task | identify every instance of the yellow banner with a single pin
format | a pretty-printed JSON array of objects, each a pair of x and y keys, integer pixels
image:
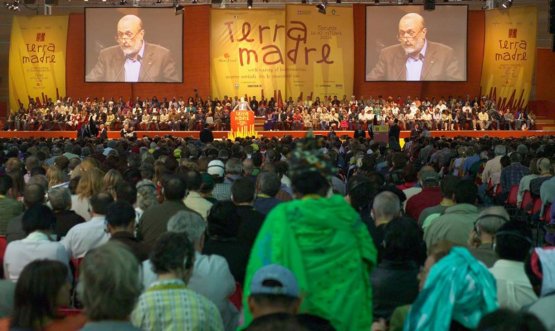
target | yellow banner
[
  {"x": 320, "y": 51},
  {"x": 37, "y": 58},
  {"x": 247, "y": 52},
  {"x": 509, "y": 56}
]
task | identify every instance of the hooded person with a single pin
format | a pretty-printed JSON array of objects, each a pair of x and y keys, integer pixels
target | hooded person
[
  {"x": 540, "y": 269},
  {"x": 457, "y": 293},
  {"x": 330, "y": 252}
]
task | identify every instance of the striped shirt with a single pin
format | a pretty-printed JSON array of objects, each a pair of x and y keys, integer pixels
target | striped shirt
[{"x": 169, "y": 305}]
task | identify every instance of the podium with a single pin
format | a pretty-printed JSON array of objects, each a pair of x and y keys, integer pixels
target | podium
[{"x": 242, "y": 124}]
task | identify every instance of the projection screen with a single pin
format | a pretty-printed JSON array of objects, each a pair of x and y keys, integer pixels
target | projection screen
[
  {"x": 133, "y": 45},
  {"x": 408, "y": 43}
]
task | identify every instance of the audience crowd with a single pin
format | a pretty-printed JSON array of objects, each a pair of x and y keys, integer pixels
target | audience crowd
[
  {"x": 319, "y": 233},
  {"x": 442, "y": 113}
]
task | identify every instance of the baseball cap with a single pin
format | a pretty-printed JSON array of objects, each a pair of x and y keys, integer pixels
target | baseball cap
[
  {"x": 284, "y": 280},
  {"x": 429, "y": 176},
  {"x": 216, "y": 168}
]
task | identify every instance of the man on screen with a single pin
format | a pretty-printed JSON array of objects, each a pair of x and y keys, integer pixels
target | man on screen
[
  {"x": 415, "y": 58},
  {"x": 133, "y": 59}
]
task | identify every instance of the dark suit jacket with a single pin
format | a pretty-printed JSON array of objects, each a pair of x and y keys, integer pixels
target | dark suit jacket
[
  {"x": 157, "y": 65},
  {"x": 440, "y": 63}
]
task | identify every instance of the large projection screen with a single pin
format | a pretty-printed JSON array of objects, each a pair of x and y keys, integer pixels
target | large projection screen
[
  {"x": 408, "y": 43},
  {"x": 133, "y": 45}
]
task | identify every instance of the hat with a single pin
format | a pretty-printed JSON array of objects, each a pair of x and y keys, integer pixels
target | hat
[
  {"x": 216, "y": 167},
  {"x": 283, "y": 277},
  {"x": 429, "y": 176},
  {"x": 255, "y": 147}
]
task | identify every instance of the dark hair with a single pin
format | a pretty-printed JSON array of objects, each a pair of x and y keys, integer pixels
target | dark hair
[
  {"x": 513, "y": 241},
  {"x": 361, "y": 191},
  {"x": 126, "y": 192},
  {"x": 243, "y": 190},
  {"x": 193, "y": 180},
  {"x": 172, "y": 251},
  {"x": 174, "y": 188},
  {"x": 36, "y": 293},
  {"x": 120, "y": 214},
  {"x": 275, "y": 322},
  {"x": 223, "y": 220},
  {"x": 6, "y": 183},
  {"x": 466, "y": 192},
  {"x": 401, "y": 239},
  {"x": 100, "y": 202},
  {"x": 38, "y": 217},
  {"x": 508, "y": 320},
  {"x": 33, "y": 194},
  {"x": 505, "y": 161},
  {"x": 448, "y": 186},
  {"x": 73, "y": 182},
  {"x": 268, "y": 183},
  {"x": 37, "y": 171},
  {"x": 310, "y": 182}
]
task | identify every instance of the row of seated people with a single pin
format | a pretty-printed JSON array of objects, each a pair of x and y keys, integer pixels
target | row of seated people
[{"x": 453, "y": 114}]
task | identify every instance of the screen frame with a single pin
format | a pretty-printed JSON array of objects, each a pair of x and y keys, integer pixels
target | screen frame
[
  {"x": 412, "y": 81},
  {"x": 134, "y": 8}
]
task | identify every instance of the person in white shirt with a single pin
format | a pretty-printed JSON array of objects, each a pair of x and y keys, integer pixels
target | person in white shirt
[
  {"x": 513, "y": 241},
  {"x": 38, "y": 222},
  {"x": 211, "y": 276},
  {"x": 85, "y": 236},
  {"x": 194, "y": 200}
]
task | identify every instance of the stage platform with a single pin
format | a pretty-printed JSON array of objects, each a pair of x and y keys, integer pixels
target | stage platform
[{"x": 277, "y": 134}]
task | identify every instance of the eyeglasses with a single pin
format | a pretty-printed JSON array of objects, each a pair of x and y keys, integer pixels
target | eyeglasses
[
  {"x": 126, "y": 36},
  {"x": 410, "y": 34}
]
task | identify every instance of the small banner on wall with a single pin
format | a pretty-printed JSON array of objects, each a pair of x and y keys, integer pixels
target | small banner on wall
[
  {"x": 293, "y": 52},
  {"x": 320, "y": 51},
  {"x": 37, "y": 59},
  {"x": 509, "y": 56}
]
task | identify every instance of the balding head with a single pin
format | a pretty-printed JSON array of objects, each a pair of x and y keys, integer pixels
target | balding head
[
  {"x": 412, "y": 33},
  {"x": 130, "y": 35}
]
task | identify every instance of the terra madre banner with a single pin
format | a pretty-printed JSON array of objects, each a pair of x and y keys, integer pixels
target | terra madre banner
[
  {"x": 288, "y": 52},
  {"x": 37, "y": 58},
  {"x": 509, "y": 56}
]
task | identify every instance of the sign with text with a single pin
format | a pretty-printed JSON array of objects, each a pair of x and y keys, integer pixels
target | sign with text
[
  {"x": 242, "y": 124},
  {"x": 320, "y": 51},
  {"x": 509, "y": 56},
  {"x": 37, "y": 58},
  {"x": 289, "y": 52},
  {"x": 247, "y": 51}
]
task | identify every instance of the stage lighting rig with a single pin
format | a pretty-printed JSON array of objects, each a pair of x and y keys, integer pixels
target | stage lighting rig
[
  {"x": 322, "y": 7},
  {"x": 13, "y": 6}
]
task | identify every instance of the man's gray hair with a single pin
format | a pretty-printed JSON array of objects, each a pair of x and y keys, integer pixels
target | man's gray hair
[
  {"x": 387, "y": 205},
  {"x": 60, "y": 198},
  {"x": 500, "y": 150},
  {"x": 188, "y": 222},
  {"x": 234, "y": 166},
  {"x": 492, "y": 218}
]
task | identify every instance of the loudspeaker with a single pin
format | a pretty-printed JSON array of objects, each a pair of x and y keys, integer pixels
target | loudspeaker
[
  {"x": 551, "y": 16},
  {"x": 430, "y": 4}
]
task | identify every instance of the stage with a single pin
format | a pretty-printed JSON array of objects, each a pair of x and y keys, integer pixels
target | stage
[{"x": 504, "y": 134}]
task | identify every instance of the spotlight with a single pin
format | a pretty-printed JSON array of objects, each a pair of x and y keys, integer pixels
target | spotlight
[
  {"x": 249, "y": 4},
  {"x": 123, "y": 2},
  {"x": 194, "y": 1},
  {"x": 322, "y": 7},
  {"x": 506, "y": 4},
  {"x": 178, "y": 9}
]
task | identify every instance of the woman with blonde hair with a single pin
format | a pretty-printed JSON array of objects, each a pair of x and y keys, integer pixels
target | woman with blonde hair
[
  {"x": 89, "y": 184},
  {"x": 110, "y": 180},
  {"x": 55, "y": 176}
]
